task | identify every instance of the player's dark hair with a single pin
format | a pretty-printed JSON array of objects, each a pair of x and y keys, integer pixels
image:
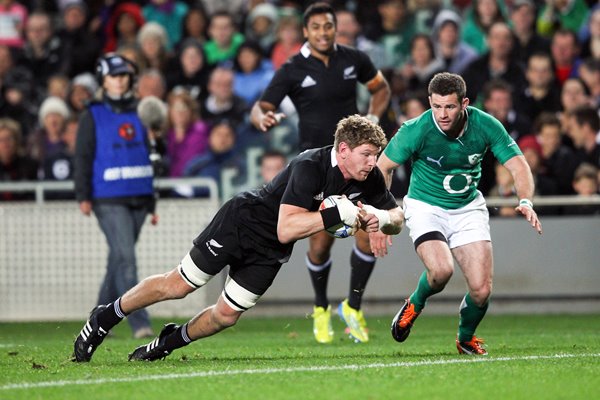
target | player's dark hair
[
  {"x": 357, "y": 130},
  {"x": 445, "y": 84},
  {"x": 318, "y": 8}
]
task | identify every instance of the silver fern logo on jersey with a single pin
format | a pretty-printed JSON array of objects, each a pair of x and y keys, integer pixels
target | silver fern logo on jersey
[{"x": 213, "y": 243}]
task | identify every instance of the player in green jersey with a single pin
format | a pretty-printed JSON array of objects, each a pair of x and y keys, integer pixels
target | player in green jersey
[{"x": 445, "y": 213}]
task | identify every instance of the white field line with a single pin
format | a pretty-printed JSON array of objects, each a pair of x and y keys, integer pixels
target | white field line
[{"x": 268, "y": 371}]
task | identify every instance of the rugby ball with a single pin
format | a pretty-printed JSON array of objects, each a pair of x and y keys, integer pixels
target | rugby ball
[{"x": 341, "y": 230}]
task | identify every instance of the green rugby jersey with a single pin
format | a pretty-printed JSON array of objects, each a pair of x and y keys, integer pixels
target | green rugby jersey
[{"x": 446, "y": 171}]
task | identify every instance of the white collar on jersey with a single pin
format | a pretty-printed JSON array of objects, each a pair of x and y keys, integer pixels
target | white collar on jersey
[
  {"x": 305, "y": 49},
  {"x": 334, "y": 162},
  {"x": 444, "y": 133}
]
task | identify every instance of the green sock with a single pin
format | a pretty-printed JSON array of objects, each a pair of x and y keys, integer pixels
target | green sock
[
  {"x": 422, "y": 292},
  {"x": 470, "y": 316}
]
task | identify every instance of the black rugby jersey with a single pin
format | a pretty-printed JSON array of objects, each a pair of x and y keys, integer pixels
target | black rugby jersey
[
  {"x": 309, "y": 178},
  {"x": 322, "y": 94}
]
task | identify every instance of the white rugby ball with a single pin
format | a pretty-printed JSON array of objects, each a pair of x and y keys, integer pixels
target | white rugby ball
[{"x": 340, "y": 230}]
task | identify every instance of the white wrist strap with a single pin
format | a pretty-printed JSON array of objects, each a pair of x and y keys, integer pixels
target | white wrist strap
[{"x": 525, "y": 203}]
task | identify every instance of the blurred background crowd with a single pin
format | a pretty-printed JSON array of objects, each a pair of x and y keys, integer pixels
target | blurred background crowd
[{"x": 534, "y": 65}]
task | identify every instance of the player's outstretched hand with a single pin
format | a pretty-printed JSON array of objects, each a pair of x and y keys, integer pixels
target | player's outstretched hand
[
  {"x": 531, "y": 216},
  {"x": 270, "y": 119},
  {"x": 379, "y": 243}
]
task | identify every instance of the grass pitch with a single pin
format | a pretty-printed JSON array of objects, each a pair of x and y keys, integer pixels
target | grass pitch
[{"x": 530, "y": 357}]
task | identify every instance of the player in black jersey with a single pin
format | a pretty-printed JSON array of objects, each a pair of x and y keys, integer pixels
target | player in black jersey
[
  {"x": 322, "y": 81},
  {"x": 254, "y": 234}
]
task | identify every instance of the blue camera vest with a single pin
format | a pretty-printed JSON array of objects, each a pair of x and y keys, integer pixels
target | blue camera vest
[{"x": 122, "y": 165}]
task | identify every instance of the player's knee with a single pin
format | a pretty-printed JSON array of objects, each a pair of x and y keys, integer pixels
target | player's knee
[
  {"x": 440, "y": 275},
  {"x": 481, "y": 294},
  {"x": 224, "y": 320}
]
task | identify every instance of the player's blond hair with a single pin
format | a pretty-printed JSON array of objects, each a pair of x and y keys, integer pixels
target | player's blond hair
[{"x": 356, "y": 130}]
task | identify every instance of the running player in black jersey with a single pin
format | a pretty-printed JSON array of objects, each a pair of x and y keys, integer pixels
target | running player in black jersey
[
  {"x": 322, "y": 81},
  {"x": 254, "y": 234}
]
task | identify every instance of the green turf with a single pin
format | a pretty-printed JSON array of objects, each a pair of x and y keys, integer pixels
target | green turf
[{"x": 277, "y": 358}]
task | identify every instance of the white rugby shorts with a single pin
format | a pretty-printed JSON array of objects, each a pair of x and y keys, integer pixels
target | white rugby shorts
[{"x": 461, "y": 226}]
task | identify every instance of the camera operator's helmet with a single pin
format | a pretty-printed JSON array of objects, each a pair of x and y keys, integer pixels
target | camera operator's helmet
[{"x": 114, "y": 64}]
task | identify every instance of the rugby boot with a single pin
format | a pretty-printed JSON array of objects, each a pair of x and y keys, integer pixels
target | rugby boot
[
  {"x": 403, "y": 321},
  {"x": 322, "y": 324},
  {"x": 90, "y": 337},
  {"x": 355, "y": 322},
  {"x": 155, "y": 350},
  {"x": 472, "y": 347}
]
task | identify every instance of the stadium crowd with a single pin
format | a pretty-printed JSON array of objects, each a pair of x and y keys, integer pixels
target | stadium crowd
[{"x": 534, "y": 65}]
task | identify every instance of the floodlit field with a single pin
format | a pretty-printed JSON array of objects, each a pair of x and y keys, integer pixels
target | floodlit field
[{"x": 531, "y": 357}]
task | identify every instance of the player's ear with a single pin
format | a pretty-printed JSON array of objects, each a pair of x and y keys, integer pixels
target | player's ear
[{"x": 465, "y": 103}]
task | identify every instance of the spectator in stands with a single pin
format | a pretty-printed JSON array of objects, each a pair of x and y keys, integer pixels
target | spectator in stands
[
  {"x": 449, "y": 47},
  {"x": 542, "y": 92},
  {"x": 152, "y": 41},
  {"x": 479, "y": 18},
  {"x": 133, "y": 54},
  {"x": 47, "y": 140},
  {"x": 564, "y": 14},
  {"x": 170, "y": 15},
  {"x": 392, "y": 30},
  {"x": 12, "y": 19},
  {"x": 42, "y": 54},
  {"x": 190, "y": 72},
  {"x": 14, "y": 165},
  {"x": 114, "y": 177},
  {"x": 574, "y": 94},
  {"x": 584, "y": 134},
  {"x": 6, "y": 62},
  {"x": 253, "y": 72},
  {"x": 288, "y": 42},
  {"x": 221, "y": 102},
  {"x": 195, "y": 25},
  {"x": 527, "y": 40},
  {"x": 82, "y": 91},
  {"x": 349, "y": 33},
  {"x": 496, "y": 63},
  {"x": 59, "y": 165},
  {"x": 123, "y": 25},
  {"x": 590, "y": 47},
  {"x": 498, "y": 101},
  {"x": 16, "y": 102},
  {"x": 589, "y": 72},
  {"x": 422, "y": 63},
  {"x": 187, "y": 136},
  {"x": 58, "y": 86},
  {"x": 559, "y": 160},
  {"x": 80, "y": 46},
  {"x": 261, "y": 26},
  {"x": 151, "y": 83},
  {"x": 271, "y": 163},
  {"x": 585, "y": 184},
  {"x": 220, "y": 155},
  {"x": 224, "y": 38},
  {"x": 565, "y": 49}
]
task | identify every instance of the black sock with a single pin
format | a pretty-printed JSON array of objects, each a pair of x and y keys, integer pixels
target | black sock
[
  {"x": 319, "y": 275},
  {"x": 111, "y": 316},
  {"x": 178, "y": 339},
  {"x": 361, "y": 267}
]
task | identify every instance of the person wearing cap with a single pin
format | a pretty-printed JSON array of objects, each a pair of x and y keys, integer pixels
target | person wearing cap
[
  {"x": 82, "y": 91},
  {"x": 114, "y": 177}
]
